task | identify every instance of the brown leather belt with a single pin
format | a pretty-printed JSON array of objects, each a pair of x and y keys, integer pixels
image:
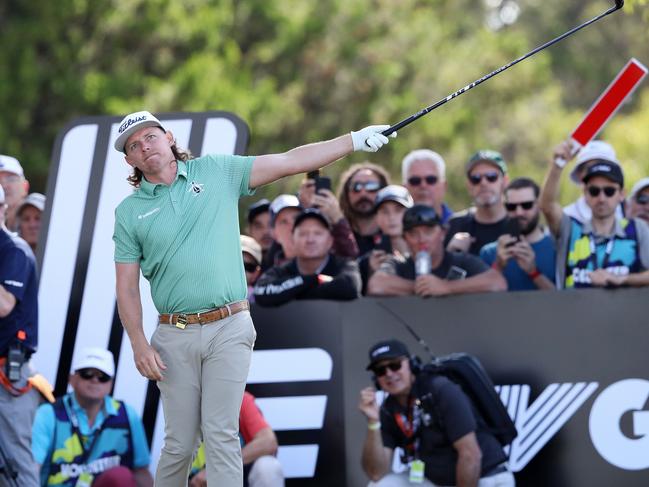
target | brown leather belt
[{"x": 180, "y": 320}]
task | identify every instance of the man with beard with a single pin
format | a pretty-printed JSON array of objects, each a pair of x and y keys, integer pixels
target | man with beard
[
  {"x": 471, "y": 229},
  {"x": 526, "y": 259},
  {"x": 357, "y": 195},
  {"x": 605, "y": 251},
  {"x": 259, "y": 224}
]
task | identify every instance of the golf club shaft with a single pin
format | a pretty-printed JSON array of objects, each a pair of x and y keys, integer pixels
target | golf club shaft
[{"x": 441, "y": 102}]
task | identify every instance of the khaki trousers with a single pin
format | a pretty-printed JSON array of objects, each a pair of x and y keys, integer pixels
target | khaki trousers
[{"x": 202, "y": 390}]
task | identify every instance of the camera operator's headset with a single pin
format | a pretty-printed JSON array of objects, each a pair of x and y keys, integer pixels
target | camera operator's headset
[{"x": 415, "y": 367}]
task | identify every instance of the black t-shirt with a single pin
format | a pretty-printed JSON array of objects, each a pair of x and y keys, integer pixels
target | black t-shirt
[
  {"x": 364, "y": 260},
  {"x": 483, "y": 233},
  {"x": 405, "y": 267},
  {"x": 452, "y": 416},
  {"x": 367, "y": 242}
]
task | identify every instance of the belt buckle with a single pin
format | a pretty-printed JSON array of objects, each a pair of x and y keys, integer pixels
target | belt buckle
[{"x": 181, "y": 321}]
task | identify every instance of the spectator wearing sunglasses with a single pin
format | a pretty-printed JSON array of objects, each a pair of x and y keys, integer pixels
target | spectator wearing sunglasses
[
  {"x": 638, "y": 201},
  {"x": 471, "y": 229},
  {"x": 424, "y": 174},
  {"x": 588, "y": 155},
  {"x": 447, "y": 272},
  {"x": 88, "y": 437},
  {"x": 432, "y": 420},
  {"x": 357, "y": 196},
  {"x": 525, "y": 255},
  {"x": 606, "y": 251},
  {"x": 314, "y": 273},
  {"x": 251, "y": 254}
]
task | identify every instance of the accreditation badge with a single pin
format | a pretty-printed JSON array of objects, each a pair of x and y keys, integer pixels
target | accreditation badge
[{"x": 416, "y": 472}]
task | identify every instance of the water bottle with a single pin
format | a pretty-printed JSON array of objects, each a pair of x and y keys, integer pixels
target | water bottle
[{"x": 422, "y": 263}]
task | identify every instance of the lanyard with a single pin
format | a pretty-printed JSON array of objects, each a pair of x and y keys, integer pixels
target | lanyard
[
  {"x": 409, "y": 425},
  {"x": 607, "y": 252},
  {"x": 74, "y": 421}
]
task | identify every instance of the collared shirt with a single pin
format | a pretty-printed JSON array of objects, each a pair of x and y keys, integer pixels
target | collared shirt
[
  {"x": 44, "y": 424},
  {"x": 185, "y": 236}
]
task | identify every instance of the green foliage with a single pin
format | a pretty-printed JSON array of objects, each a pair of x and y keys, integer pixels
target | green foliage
[{"x": 305, "y": 70}]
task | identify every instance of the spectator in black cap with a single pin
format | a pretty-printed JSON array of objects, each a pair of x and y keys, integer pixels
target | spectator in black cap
[
  {"x": 314, "y": 273},
  {"x": 605, "y": 251},
  {"x": 259, "y": 224},
  {"x": 470, "y": 229},
  {"x": 391, "y": 203},
  {"x": 448, "y": 443},
  {"x": 430, "y": 270}
]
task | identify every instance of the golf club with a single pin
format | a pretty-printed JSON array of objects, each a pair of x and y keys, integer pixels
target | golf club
[{"x": 618, "y": 5}]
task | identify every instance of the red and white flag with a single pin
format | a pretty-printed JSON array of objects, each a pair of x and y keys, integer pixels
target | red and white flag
[{"x": 608, "y": 103}]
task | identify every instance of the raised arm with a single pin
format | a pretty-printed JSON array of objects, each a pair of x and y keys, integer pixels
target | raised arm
[
  {"x": 549, "y": 198},
  {"x": 129, "y": 305},
  {"x": 271, "y": 167}
]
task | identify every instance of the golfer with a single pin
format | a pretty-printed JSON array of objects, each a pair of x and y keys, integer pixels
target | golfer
[{"x": 180, "y": 228}]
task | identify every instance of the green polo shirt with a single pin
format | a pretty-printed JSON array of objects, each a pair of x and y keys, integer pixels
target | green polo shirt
[{"x": 186, "y": 236}]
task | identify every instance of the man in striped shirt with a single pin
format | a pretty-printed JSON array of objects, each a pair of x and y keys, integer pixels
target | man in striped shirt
[{"x": 180, "y": 229}]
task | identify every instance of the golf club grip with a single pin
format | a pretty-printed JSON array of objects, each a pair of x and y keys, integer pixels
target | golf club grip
[{"x": 421, "y": 113}]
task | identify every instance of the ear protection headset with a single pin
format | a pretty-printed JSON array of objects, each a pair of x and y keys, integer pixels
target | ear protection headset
[{"x": 415, "y": 368}]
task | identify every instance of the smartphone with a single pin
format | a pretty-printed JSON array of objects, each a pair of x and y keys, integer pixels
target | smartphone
[
  {"x": 322, "y": 182},
  {"x": 513, "y": 228},
  {"x": 455, "y": 273}
]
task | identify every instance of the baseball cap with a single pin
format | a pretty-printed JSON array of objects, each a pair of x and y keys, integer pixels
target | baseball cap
[
  {"x": 37, "y": 200},
  {"x": 311, "y": 213},
  {"x": 282, "y": 202},
  {"x": 490, "y": 156},
  {"x": 11, "y": 164},
  {"x": 607, "y": 169},
  {"x": 95, "y": 358},
  {"x": 256, "y": 208},
  {"x": 250, "y": 246},
  {"x": 595, "y": 149},
  {"x": 420, "y": 215},
  {"x": 393, "y": 192},
  {"x": 132, "y": 123},
  {"x": 386, "y": 349},
  {"x": 2, "y": 195},
  {"x": 639, "y": 186}
]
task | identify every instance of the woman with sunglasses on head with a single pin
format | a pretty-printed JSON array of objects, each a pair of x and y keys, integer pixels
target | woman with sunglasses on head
[
  {"x": 469, "y": 230},
  {"x": 606, "y": 250},
  {"x": 88, "y": 438}
]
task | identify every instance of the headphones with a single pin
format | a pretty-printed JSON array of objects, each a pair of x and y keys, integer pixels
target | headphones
[{"x": 415, "y": 367}]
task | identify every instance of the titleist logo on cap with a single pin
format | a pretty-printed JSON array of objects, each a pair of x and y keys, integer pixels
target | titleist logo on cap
[
  {"x": 380, "y": 350},
  {"x": 600, "y": 167},
  {"x": 131, "y": 121}
]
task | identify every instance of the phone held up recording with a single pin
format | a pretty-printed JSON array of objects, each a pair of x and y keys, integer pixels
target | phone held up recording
[{"x": 513, "y": 228}]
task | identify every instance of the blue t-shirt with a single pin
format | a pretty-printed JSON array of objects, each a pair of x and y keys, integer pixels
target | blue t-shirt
[
  {"x": 18, "y": 277},
  {"x": 44, "y": 424},
  {"x": 517, "y": 278}
]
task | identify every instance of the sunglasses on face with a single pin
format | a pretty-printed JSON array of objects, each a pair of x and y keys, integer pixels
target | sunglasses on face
[
  {"x": 642, "y": 199},
  {"x": 381, "y": 370},
  {"x": 430, "y": 180},
  {"x": 609, "y": 191},
  {"x": 88, "y": 374},
  {"x": 526, "y": 205},
  {"x": 369, "y": 186},
  {"x": 475, "y": 179},
  {"x": 249, "y": 267}
]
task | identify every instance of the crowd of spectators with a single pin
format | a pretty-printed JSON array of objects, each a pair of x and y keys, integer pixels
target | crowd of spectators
[{"x": 381, "y": 239}]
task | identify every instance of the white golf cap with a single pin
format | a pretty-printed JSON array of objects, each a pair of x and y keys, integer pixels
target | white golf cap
[
  {"x": 639, "y": 186},
  {"x": 11, "y": 164},
  {"x": 95, "y": 358},
  {"x": 37, "y": 200},
  {"x": 280, "y": 203},
  {"x": 132, "y": 123},
  {"x": 595, "y": 149},
  {"x": 2, "y": 195}
]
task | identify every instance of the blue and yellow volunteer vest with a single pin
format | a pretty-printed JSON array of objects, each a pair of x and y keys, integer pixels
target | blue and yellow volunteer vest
[
  {"x": 69, "y": 461},
  {"x": 623, "y": 258}
]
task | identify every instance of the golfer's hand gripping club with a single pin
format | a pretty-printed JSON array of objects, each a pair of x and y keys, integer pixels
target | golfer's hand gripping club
[{"x": 370, "y": 139}]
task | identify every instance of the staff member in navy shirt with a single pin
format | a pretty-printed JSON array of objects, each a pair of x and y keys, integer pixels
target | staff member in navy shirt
[{"x": 18, "y": 338}]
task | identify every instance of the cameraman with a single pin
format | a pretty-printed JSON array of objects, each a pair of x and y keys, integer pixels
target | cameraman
[{"x": 433, "y": 421}]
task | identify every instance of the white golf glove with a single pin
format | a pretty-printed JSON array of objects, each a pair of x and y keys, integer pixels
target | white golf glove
[{"x": 370, "y": 139}]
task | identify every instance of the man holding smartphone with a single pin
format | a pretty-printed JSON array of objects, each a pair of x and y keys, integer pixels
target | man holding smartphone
[
  {"x": 442, "y": 272},
  {"x": 526, "y": 253}
]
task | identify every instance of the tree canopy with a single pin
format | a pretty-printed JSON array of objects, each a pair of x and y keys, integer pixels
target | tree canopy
[{"x": 304, "y": 70}]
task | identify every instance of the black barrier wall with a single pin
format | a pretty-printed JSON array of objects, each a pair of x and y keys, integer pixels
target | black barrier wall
[{"x": 572, "y": 367}]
